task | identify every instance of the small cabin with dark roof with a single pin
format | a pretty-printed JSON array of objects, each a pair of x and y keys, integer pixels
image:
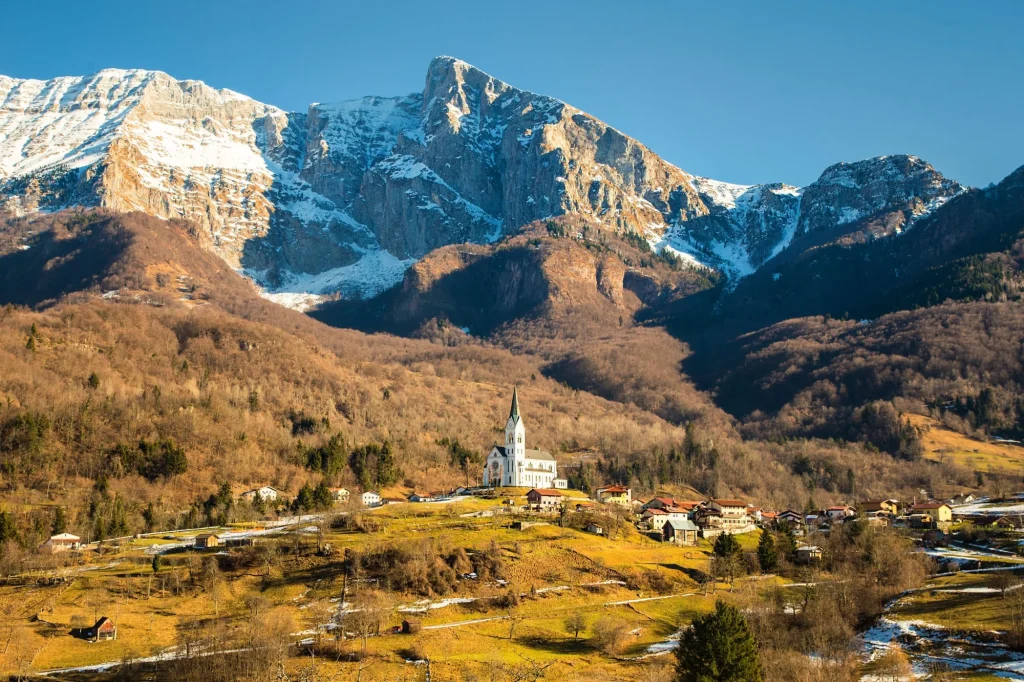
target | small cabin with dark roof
[{"x": 103, "y": 629}]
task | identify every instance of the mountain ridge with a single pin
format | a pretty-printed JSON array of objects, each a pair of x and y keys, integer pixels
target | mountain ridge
[{"x": 347, "y": 195}]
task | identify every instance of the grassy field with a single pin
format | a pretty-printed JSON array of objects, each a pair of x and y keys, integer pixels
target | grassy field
[
  {"x": 559, "y": 571},
  {"x": 944, "y": 444}
]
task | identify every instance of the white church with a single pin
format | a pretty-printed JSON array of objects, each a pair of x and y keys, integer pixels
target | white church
[{"x": 514, "y": 465}]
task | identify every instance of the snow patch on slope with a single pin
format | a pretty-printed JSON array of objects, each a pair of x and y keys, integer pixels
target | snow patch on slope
[{"x": 376, "y": 272}]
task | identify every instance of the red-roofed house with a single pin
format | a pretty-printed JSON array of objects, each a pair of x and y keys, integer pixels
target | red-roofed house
[
  {"x": 840, "y": 512},
  {"x": 615, "y": 494},
  {"x": 544, "y": 498}
]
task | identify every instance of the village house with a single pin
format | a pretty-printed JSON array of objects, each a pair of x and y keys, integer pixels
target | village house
[
  {"x": 808, "y": 554},
  {"x": 207, "y": 540},
  {"x": 962, "y": 499},
  {"x": 421, "y": 497},
  {"x": 941, "y": 513},
  {"x": 62, "y": 542},
  {"x": 732, "y": 517},
  {"x": 880, "y": 506},
  {"x": 656, "y": 519},
  {"x": 513, "y": 465},
  {"x": 103, "y": 629},
  {"x": 615, "y": 494},
  {"x": 544, "y": 498},
  {"x": 389, "y": 500},
  {"x": 659, "y": 503},
  {"x": 595, "y": 529},
  {"x": 340, "y": 495},
  {"x": 680, "y": 532},
  {"x": 840, "y": 512},
  {"x": 370, "y": 499},
  {"x": 266, "y": 493}
]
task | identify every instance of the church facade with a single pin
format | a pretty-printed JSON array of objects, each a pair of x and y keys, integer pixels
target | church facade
[{"x": 514, "y": 465}]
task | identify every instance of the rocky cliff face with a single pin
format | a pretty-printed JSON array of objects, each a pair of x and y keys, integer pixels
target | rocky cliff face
[{"x": 347, "y": 196}]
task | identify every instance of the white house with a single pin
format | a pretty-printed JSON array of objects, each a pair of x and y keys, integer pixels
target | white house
[
  {"x": 370, "y": 499},
  {"x": 340, "y": 495},
  {"x": 62, "y": 542},
  {"x": 657, "y": 518},
  {"x": 266, "y": 493},
  {"x": 512, "y": 464}
]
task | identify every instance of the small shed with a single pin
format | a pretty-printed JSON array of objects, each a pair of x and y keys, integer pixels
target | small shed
[
  {"x": 411, "y": 626},
  {"x": 807, "y": 554},
  {"x": 595, "y": 529},
  {"x": 207, "y": 540},
  {"x": 103, "y": 629}
]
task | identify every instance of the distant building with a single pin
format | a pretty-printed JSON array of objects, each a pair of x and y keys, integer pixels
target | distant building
[
  {"x": 544, "y": 498},
  {"x": 840, "y": 513},
  {"x": 657, "y": 518},
  {"x": 940, "y": 512},
  {"x": 731, "y": 516},
  {"x": 962, "y": 498},
  {"x": 595, "y": 529},
  {"x": 680, "y": 532},
  {"x": 411, "y": 626},
  {"x": 340, "y": 495},
  {"x": 794, "y": 518},
  {"x": 62, "y": 542},
  {"x": 615, "y": 494},
  {"x": 370, "y": 499},
  {"x": 513, "y": 465},
  {"x": 103, "y": 629},
  {"x": 207, "y": 540},
  {"x": 267, "y": 494},
  {"x": 421, "y": 497},
  {"x": 889, "y": 506},
  {"x": 808, "y": 554}
]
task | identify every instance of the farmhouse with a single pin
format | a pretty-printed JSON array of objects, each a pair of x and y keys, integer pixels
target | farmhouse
[
  {"x": 340, "y": 495},
  {"x": 371, "y": 499},
  {"x": 615, "y": 494},
  {"x": 513, "y": 465},
  {"x": 265, "y": 493},
  {"x": 61, "y": 542},
  {"x": 545, "y": 498}
]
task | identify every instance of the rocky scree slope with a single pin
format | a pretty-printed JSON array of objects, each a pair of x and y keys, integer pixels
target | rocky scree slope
[{"x": 345, "y": 197}]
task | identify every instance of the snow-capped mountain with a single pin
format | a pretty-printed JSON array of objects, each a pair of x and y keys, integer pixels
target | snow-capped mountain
[{"x": 346, "y": 196}]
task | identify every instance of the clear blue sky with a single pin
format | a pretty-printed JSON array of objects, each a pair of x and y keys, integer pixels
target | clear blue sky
[{"x": 739, "y": 91}]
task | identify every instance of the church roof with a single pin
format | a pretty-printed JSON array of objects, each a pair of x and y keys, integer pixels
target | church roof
[
  {"x": 530, "y": 454},
  {"x": 513, "y": 412}
]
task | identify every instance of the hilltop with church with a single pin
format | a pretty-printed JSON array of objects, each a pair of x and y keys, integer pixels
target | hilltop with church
[{"x": 515, "y": 465}]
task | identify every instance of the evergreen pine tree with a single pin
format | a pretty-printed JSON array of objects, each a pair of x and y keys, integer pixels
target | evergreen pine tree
[
  {"x": 767, "y": 556},
  {"x": 718, "y": 647},
  {"x": 60, "y": 521},
  {"x": 727, "y": 546}
]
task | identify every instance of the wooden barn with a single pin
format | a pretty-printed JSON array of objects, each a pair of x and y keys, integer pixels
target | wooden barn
[{"x": 103, "y": 629}]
